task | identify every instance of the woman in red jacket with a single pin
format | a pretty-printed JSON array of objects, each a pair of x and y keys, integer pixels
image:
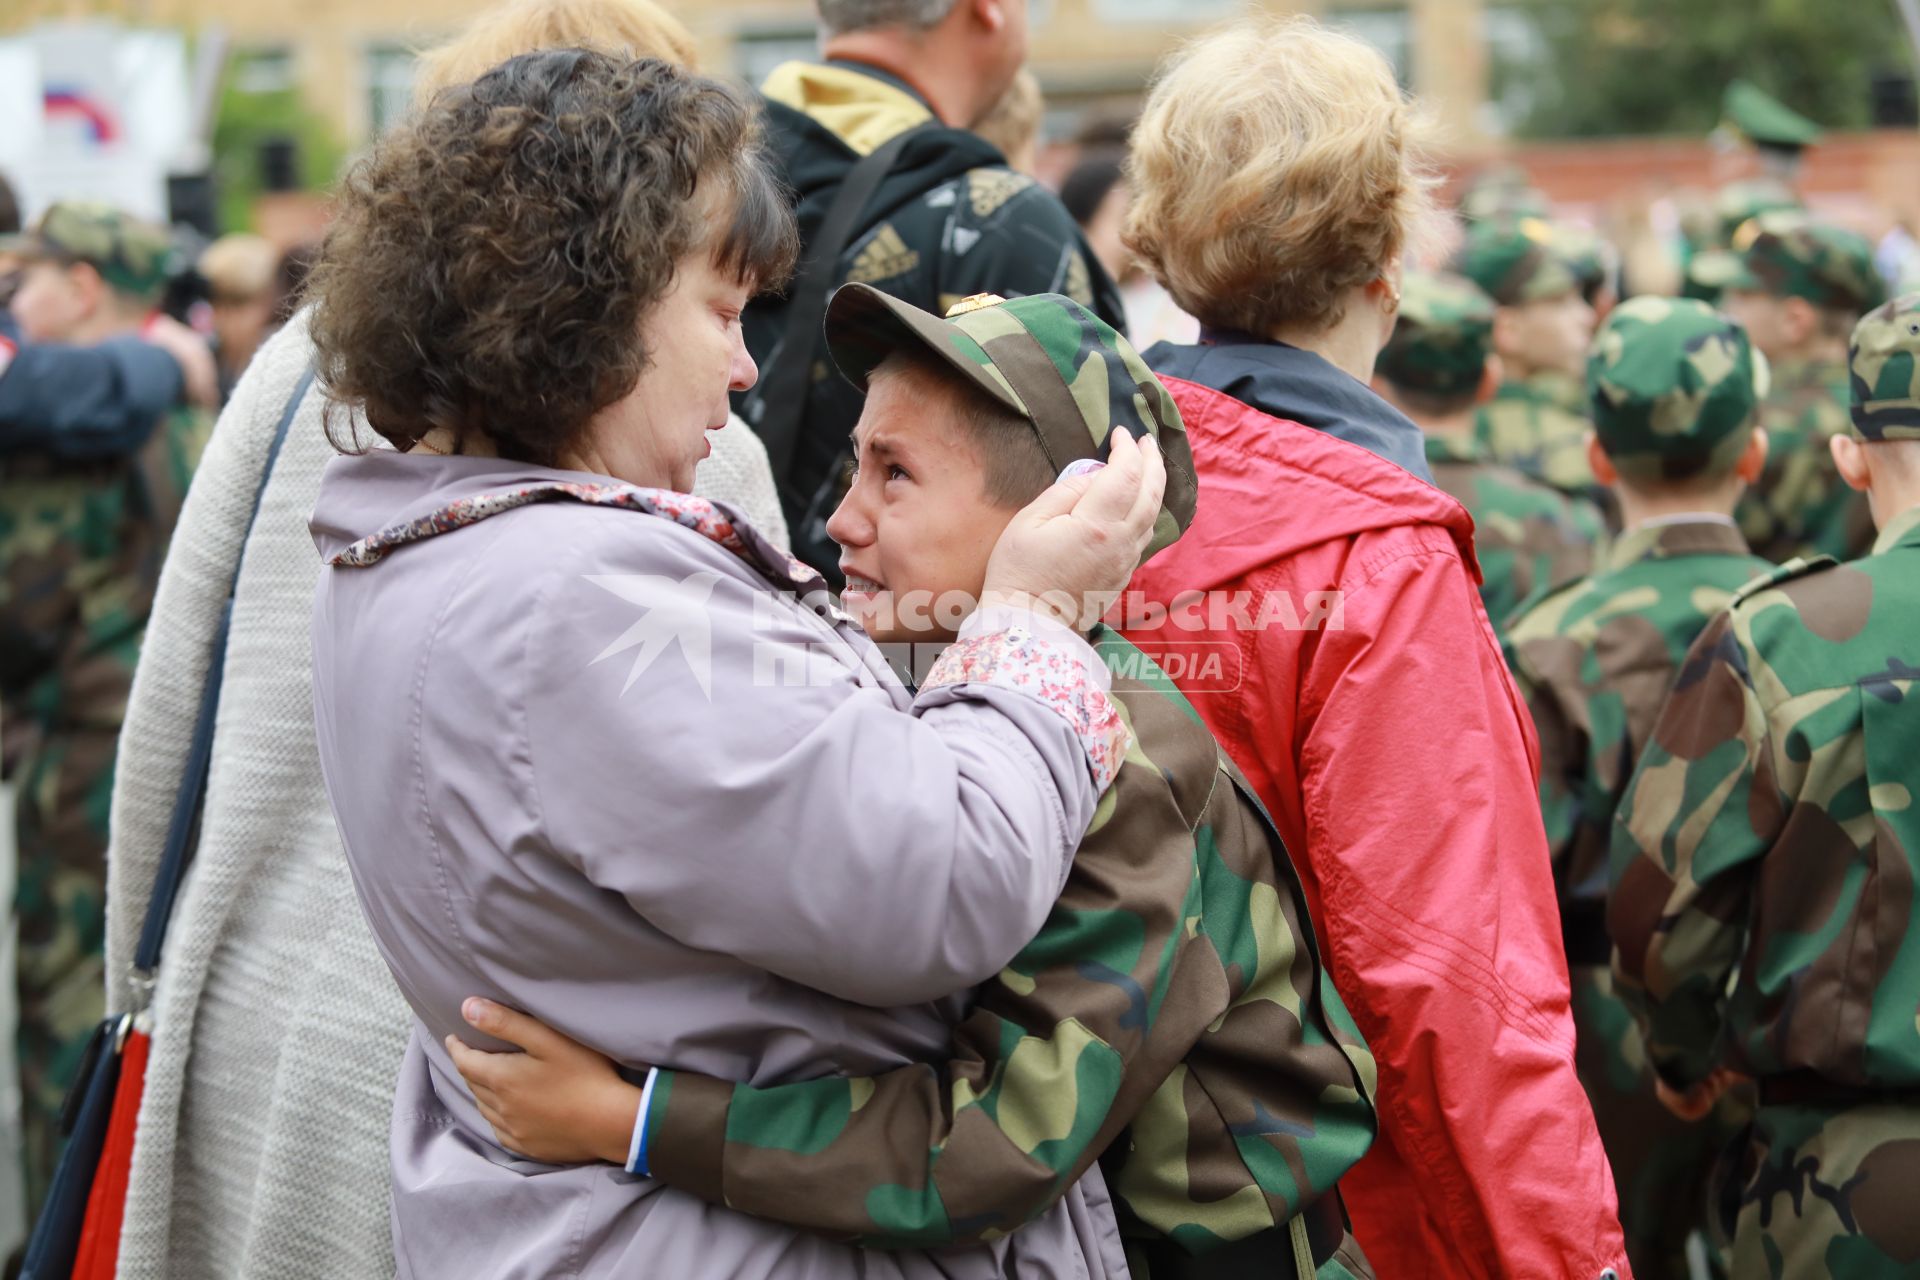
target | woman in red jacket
[{"x": 1322, "y": 614}]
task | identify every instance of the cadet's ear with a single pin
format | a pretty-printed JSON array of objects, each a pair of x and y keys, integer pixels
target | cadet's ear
[
  {"x": 990, "y": 14},
  {"x": 1603, "y": 469},
  {"x": 1800, "y": 319},
  {"x": 1490, "y": 379},
  {"x": 88, "y": 285},
  {"x": 1506, "y": 328},
  {"x": 1850, "y": 458},
  {"x": 1753, "y": 458}
]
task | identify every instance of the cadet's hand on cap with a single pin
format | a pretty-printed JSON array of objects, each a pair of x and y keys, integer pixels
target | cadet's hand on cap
[{"x": 1072, "y": 549}]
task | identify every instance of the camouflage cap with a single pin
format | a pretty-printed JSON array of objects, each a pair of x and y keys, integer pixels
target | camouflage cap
[
  {"x": 134, "y": 257},
  {"x": 1591, "y": 255},
  {"x": 1791, "y": 256},
  {"x": 1502, "y": 191},
  {"x": 1708, "y": 274},
  {"x": 1045, "y": 357},
  {"x": 1514, "y": 261},
  {"x": 1676, "y": 388},
  {"x": 1740, "y": 203},
  {"x": 1884, "y": 370},
  {"x": 1443, "y": 337}
]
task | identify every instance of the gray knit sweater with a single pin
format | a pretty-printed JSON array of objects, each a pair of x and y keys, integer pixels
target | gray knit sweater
[{"x": 262, "y": 1143}]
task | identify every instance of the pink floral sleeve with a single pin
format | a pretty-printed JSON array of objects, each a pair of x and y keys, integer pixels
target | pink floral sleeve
[{"x": 1056, "y": 667}]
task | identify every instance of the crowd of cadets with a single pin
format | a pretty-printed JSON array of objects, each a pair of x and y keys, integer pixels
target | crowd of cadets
[
  {"x": 1662, "y": 523},
  {"x": 1707, "y": 683}
]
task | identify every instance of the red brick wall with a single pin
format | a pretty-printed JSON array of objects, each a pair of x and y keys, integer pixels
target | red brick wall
[{"x": 1858, "y": 177}]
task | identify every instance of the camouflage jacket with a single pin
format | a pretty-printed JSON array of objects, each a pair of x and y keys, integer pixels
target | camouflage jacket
[
  {"x": 80, "y": 551},
  {"x": 1172, "y": 1013},
  {"x": 1527, "y": 534},
  {"x": 1800, "y": 506},
  {"x": 1765, "y": 855},
  {"x": 1539, "y": 426},
  {"x": 1595, "y": 661}
]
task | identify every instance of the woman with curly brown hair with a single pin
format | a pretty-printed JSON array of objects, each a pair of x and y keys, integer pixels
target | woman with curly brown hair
[
  {"x": 1278, "y": 179},
  {"x": 276, "y": 1027},
  {"x": 598, "y": 750}
]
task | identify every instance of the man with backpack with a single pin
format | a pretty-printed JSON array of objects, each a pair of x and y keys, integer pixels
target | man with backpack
[{"x": 893, "y": 191}]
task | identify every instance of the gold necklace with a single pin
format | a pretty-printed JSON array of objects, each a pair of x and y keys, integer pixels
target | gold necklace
[{"x": 422, "y": 444}]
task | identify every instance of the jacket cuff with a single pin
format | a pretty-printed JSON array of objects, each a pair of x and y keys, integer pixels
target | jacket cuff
[
  {"x": 686, "y": 1132},
  {"x": 1046, "y": 662}
]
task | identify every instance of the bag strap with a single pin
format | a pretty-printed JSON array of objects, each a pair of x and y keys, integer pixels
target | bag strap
[
  {"x": 784, "y": 396},
  {"x": 183, "y": 829}
]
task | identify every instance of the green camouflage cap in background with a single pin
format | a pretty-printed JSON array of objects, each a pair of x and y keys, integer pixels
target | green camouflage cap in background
[
  {"x": 134, "y": 257},
  {"x": 1515, "y": 262},
  {"x": 1884, "y": 370},
  {"x": 1443, "y": 337},
  {"x": 1791, "y": 256},
  {"x": 1045, "y": 357},
  {"x": 1590, "y": 254},
  {"x": 1676, "y": 388},
  {"x": 1739, "y": 204},
  {"x": 1502, "y": 191}
]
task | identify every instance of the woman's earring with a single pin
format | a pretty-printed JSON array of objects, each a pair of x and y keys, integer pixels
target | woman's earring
[{"x": 1391, "y": 303}]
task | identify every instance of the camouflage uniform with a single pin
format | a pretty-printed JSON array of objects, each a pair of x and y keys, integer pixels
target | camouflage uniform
[
  {"x": 1674, "y": 392},
  {"x": 80, "y": 551},
  {"x": 1762, "y": 874},
  {"x": 1172, "y": 1014},
  {"x": 1525, "y": 534},
  {"x": 1536, "y": 424},
  {"x": 1800, "y": 507}
]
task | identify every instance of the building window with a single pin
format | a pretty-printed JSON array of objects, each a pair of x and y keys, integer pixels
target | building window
[
  {"x": 1183, "y": 13},
  {"x": 1517, "y": 51},
  {"x": 266, "y": 70},
  {"x": 390, "y": 73},
  {"x": 758, "y": 50},
  {"x": 1388, "y": 30}
]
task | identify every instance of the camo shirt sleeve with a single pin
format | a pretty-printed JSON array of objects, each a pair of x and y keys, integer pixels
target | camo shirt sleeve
[
  {"x": 1704, "y": 805},
  {"x": 1061, "y": 1049},
  {"x": 1563, "y": 746}
]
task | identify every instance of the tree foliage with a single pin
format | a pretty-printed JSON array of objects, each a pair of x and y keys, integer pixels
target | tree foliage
[
  {"x": 1659, "y": 66},
  {"x": 247, "y": 121}
]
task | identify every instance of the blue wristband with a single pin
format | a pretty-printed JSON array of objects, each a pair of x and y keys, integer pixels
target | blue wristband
[{"x": 637, "y": 1148}]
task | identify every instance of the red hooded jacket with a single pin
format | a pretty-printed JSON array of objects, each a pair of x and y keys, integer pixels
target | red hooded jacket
[{"x": 1359, "y": 686}]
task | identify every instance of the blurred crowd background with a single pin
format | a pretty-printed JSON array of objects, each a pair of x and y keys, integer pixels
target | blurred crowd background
[
  {"x": 1647, "y": 141},
  {"x": 233, "y": 116}
]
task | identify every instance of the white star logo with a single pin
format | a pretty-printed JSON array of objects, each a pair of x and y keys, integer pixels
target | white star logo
[{"x": 676, "y": 610}]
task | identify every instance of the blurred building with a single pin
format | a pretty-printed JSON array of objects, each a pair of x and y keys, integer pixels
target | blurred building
[{"x": 353, "y": 59}]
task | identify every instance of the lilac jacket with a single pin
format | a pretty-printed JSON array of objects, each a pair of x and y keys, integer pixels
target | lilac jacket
[{"x": 593, "y": 755}]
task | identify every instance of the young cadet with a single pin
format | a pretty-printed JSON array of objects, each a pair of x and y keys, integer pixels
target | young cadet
[
  {"x": 1436, "y": 368},
  {"x": 1542, "y": 322},
  {"x": 1172, "y": 1019},
  {"x": 85, "y": 520},
  {"x": 1799, "y": 288},
  {"x": 1762, "y": 874},
  {"x": 1675, "y": 389}
]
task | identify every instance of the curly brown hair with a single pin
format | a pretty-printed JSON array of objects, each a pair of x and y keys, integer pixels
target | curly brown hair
[{"x": 492, "y": 259}]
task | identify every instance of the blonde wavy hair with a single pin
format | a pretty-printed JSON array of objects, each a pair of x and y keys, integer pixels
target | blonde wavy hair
[
  {"x": 629, "y": 28},
  {"x": 1277, "y": 166}
]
